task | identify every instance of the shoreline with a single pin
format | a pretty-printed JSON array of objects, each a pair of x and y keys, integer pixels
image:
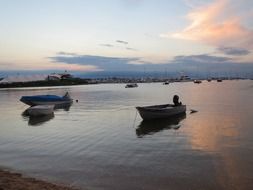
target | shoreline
[
  {"x": 10, "y": 180},
  {"x": 77, "y": 82}
]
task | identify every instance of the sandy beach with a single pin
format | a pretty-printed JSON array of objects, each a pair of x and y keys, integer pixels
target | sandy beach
[{"x": 15, "y": 181}]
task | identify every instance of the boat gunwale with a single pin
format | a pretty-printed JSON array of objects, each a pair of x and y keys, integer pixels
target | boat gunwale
[{"x": 157, "y": 107}]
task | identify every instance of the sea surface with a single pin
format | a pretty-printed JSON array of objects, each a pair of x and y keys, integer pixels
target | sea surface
[{"x": 101, "y": 143}]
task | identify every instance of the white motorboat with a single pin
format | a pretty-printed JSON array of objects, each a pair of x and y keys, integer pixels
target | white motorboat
[
  {"x": 40, "y": 110},
  {"x": 160, "y": 111}
]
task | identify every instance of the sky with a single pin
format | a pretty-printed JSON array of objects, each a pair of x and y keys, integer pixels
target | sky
[{"x": 126, "y": 35}]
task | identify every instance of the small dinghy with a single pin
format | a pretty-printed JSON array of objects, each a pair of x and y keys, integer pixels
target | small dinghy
[
  {"x": 160, "y": 111},
  {"x": 40, "y": 110}
]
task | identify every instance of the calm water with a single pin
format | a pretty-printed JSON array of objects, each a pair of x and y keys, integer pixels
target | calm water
[{"x": 101, "y": 143}]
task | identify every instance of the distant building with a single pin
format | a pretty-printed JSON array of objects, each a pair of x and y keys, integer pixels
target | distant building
[
  {"x": 59, "y": 76},
  {"x": 54, "y": 77}
]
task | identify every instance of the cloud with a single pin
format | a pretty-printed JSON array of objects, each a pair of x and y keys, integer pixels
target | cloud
[
  {"x": 119, "y": 46},
  {"x": 203, "y": 58},
  {"x": 107, "y": 45},
  {"x": 189, "y": 63},
  {"x": 213, "y": 25},
  {"x": 201, "y": 64},
  {"x": 65, "y": 53},
  {"x": 100, "y": 62},
  {"x": 233, "y": 51},
  {"x": 121, "y": 41},
  {"x": 131, "y": 49}
]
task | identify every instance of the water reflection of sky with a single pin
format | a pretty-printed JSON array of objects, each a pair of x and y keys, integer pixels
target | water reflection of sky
[{"x": 223, "y": 136}]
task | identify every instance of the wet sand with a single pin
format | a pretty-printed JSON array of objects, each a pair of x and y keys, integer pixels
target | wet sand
[{"x": 15, "y": 181}]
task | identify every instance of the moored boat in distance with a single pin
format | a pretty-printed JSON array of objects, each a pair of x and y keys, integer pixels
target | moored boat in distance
[
  {"x": 40, "y": 110},
  {"x": 197, "y": 81},
  {"x": 160, "y": 111},
  {"x": 166, "y": 83},
  {"x": 219, "y": 80},
  {"x": 46, "y": 100},
  {"x": 131, "y": 85}
]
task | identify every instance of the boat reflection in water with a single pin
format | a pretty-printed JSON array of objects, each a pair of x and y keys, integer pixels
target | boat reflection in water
[
  {"x": 149, "y": 127},
  {"x": 65, "y": 106},
  {"x": 36, "y": 120},
  {"x": 39, "y": 120}
]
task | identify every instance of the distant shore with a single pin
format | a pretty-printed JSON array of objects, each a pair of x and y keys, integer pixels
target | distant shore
[
  {"x": 14, "y": 181},
  {"x": 81, "y": 81},
  {"x": 45, "y": 83}
]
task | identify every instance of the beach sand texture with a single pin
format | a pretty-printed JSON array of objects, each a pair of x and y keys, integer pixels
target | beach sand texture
[{"x": 15, "y": 181}]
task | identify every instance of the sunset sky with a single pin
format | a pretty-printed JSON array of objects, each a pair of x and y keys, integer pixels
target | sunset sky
[{"x": 97, "y": 35}]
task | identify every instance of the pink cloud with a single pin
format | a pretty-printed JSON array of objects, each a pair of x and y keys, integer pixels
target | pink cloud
[{"x": 215, "y": 25}]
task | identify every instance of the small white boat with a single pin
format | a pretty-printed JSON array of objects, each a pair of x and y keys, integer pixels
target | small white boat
[
  {"x": 131, "y": 85},
  {"x": 160, "y": 111},
  {"x": 40, "y": 110}
]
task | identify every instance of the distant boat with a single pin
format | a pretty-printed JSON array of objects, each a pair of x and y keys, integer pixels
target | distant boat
[
  {"x": 46, "y": 100},
  {"x": 160, "y": 111},
  {"x": 40, "y": 110},
  {"x": 209, "y": 80},
  {"x": 184, "y": 78},
  {"x": 219, "y": 80},
  {"x": 197, "y": 81},
  {"x": 131, "y": 85},
  {"x": 166, "y": 83}
]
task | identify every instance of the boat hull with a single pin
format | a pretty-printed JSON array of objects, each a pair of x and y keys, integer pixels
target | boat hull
[
  {"x": 45, "y": 100},
  {"x": 40, "y": 110},
  {"x": 160, "y": 111},
  {"x": 134, "y": 85},
  {"x": 35, "y": 103}
]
